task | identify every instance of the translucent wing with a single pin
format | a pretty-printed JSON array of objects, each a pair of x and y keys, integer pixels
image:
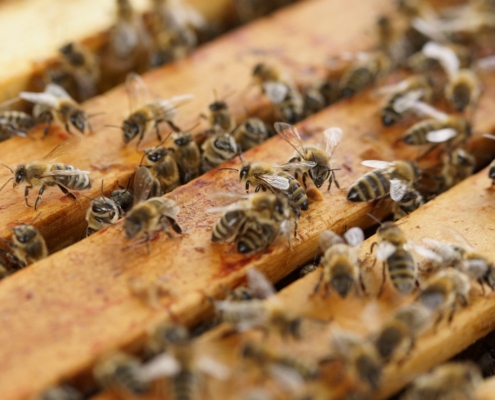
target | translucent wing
[
  {"x": 445, "y": 251},
  {"x": 291, "y": 136},
  {"x": 287, "y": 377},
  {"x": 395, "y": 87},
  {"x": 168, "y": 107},
  {"x": 384, "y": 250},
  {"x": 408, "y": 100},
  {"x": 489, "y": 136},
  {"x": 333, "y": 136},
  {"x": 275, "y": 91},
  {"x": 68, "y": 146},
  {"x": 7, "y": 103},
  {"x": 425, "y": 252},
  {"x": 160, "y": 366},
  {"x": 354, "y": 236},
  {"x": 424, "y": 109},
  {"x": 398, "y": 189},
  {"x": 213, "y": 368},
  {"x": 377, "y": 164},
  {"x": 329, "y": 238},
  {"x": 475, "y": 268},
  {"x": 40, "y": 98},
  {"x": 137, "y": 91},
  {"x": 57, "y": 91},
  {"x": 59, "y": 172},
  {"x": 278, "y": 182},
  {"x": 445, "y": 55},
  {"x": 259, "y": 284},
  {"x": 429, "y": 29},
  {"x": 486, "y": 63},
  {"x": 441, "y": 135},
  {"x": 172, "y": 209},
  {"x": 143, "y": 182},
  {"x": 301, "y": 165}
]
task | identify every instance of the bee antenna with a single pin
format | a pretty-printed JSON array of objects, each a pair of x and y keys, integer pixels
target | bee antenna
[
  {"x": 215, "y": 94},
  {"x": 228, "y": 169},
  {"x": 102, "y": 187},
  {"x": 112, "y": 126},
  {"x": 35, "y": 218},
  {"x": 90, "y": 198},
  {"x": 5, "y": 184},
  {"x": 96, "y": 114},
  {"x": 240, "y": 156},
  {"x": 374, "y": 218},
  {"x": 6, "y": 166}
]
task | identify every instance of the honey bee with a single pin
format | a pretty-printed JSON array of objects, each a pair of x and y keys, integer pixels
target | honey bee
[
  {"x": 268, "y": 314},
  {"x": 287, "y": 100},
  {"x": 393, "y": 249},
  {"x": 121, "y": 374},
  {"x": 217, "y": 149},
  {"x": 84, "y": 66},
  {"x": 410, "y": 201},
  {"x": 397, "y": 336},
  {"x": 266, "y": 356},
  {"x": 147, "y": 114},
  {"x": 457, "y": 166},
  {"x": 62, "y": 392},
  {"x": 14, "y": 122},
  {"x": 250, "y": 133},
  {"x": 316, "y": 162},
  {"x": 175, "y": 357},
  {"x": 164, "y": 169},
  {"x": 363, "y": 71},
  {"x": 265, "y": 176},
  {"x": 420, "y": 63},
  {"x": 102, "y": 213},
  {"x": 27, "y": 246},
  {"x": 187, "y": 156},
  {"x": 149, "y": 216},
  {"x": 463, "y": 88},
  {"x": 123, "y": 198},
  {"x": 393, "y": 178},
  {"x": 340, "y": 261},
  {"x": 453, "y": 380},
  {"x": 219, "y": 118},
  {"x": 55, "y": 104},
  {"x": 418, "y": 86},
  {"x": 43, "y": 173},
  {"x": 362, "y": 360},
  {"x": 263, "y": 72},
  {"x": 253, "y": 223},
  {"x": 444, "y": 292}
]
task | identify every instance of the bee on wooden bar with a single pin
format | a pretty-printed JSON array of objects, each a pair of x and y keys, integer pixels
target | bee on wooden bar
[
  {"x": 217, "y": 149},
  {"x": 250, "y": 133},
  {"x": 444, "y": 292},
  {"x": 266, "y": 357},
  {"x": 187, "y": 156},
  {"x": 397, "y": 336},
  {"x": 453, "y": 380},
  {"x": 121, "y": 374},
  {"x": 177, "y": 359},
  {"x": 27, "y": 246},
  {"x": 315, "y": 161},
  {"x": 366, "y": 69},
  {"x": 253, "y": 223},
  {"x": 457, "y": 166},
  {"x": 268, "y": 314},
  {"x": 163, "y": 167},
  {"x": 148, "y": 114},
  {"x": 149, "y": 216},
  {"x": 418, "y": 86},
  {"x": 340, "y": 261},
  {"x": 55, "y": 104},
  {"x": 388, "y": 178},
  {"x": 410, "y": 201},
  {"x": 123, "y": 197},
  {"x": 13, "y": 122},
  {"x": 44, "y": 173},
  {"x": 463, "y": 88},
  {"x": 62, "y": 392},
  {"x": 287, "y": 101},
  {"x": 102, "y": 213},
  {"x": 220, "y": 118}
]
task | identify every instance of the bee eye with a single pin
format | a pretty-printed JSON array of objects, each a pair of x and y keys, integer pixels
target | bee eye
[{"x": 19, "y": 177}]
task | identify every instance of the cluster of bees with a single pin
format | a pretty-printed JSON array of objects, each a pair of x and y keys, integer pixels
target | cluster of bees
[{"x": 439, "y": 51}]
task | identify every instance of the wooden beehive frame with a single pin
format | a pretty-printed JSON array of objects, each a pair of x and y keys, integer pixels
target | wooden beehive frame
[{"x": 68, "y": 309}]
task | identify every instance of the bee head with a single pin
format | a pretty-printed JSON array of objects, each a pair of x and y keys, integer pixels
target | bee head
[
  {"x": 132, "y": 226},
  {"x": 79, "y": 120},
  {"x": 130, "y": 130},
  {"x": 174, "y": 334},
  {"x": 258, "y": 69},
  {"x": 24, "y": 233},
  {"x": 102, "y": 205},
  {"x": 157, "y": 154},
  {"x": 244, "y": 172},
  {"x": 19, "y": 175},
  {"x": 218, "y": 106},
  {"x": 182, "y": 139}
]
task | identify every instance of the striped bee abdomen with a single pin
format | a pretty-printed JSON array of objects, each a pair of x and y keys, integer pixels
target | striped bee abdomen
[
  {"x": 77, "y": 181},
  {"x": 402, "y": 271},
  {"x": 371, "y": 186}
]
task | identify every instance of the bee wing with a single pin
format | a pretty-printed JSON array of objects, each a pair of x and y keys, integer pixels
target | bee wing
[
  {"x": 137, "y": 91},
  {"x": 489, "y": 136},
  {"x": 441, "y": 135},
  {"x": 384, "y": 250},
  {"x": 248, "y": 317},
  {"x": 259, "y": 284},
  {"x": 172, "y": 209},
  {"x": 143, "y": 182},
  {"x": 287, "y": 377},
  {"x": 398, "y": 189},
  {"x": 354, "y": 236},
  {"x": 445, "y": 55},
  {"x": 59, "y": 172},
  {"x": 455, "y": 236},
  {"x": 186, "y": 15},
  {"x": 421, "y": 108},
  {"x": 169, "y": 106},
  {"x": 444, "y": 250},
  {"x": 213, "y": 368},
  {"x": 395, "y": 87},
  {"x": 275, "y": 91},
  {"x": 329, "y": 238},
  {"x": 301, "y": 165},
  {"x": 425, "y": 252},
  {"x": 68, "y": 146},
  {"x": 333, "y": 136},
  {"x": 429, "y": 28},
  {"x": 162, "y": 365},
  {"x": 408, "y": 100},
  {"x": 291, "y": 136},
  {"x": 475, "y": 268},
  {"x": 486, "y": 63},
  {"x": 278, "y": 182},
  {"x": 46, "y": 99},
  {"x": 377, "y": 164},
  {"x": 57, "y": 91}
]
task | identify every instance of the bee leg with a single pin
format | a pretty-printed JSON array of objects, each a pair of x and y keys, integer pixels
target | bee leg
[
  {"x": 451, "y": 314},
  {"x": 361, "y": 284},
  {"x": 67, "y": 128},
  {"x": 304, "y": 177},
  {"x": 404, "y": 358},
  {"x": 157, "y": 130},
  {"x": 38, "y": 199},
  {"x": 335, "y": 180},
  {"x": 26, "y": 194},
  {"x": 147, "y": 240},
  {"x": 437, "y": 322},
  {"x": 382, "y": 286},
  {"x": 47, "y": 127},
  {"x": 482, "y": 284},
  {"x": 174, "y": 127},
  {"x": 175, "y": 226},
  {"x": 318, "y": 284},
  {"x": 68, "y": 193},
  {"x": 247, "y": 186}
]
